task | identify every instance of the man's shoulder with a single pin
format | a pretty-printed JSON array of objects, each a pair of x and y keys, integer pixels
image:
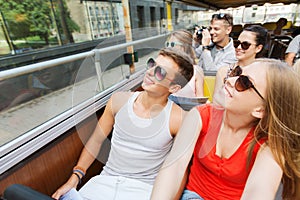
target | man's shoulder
[{"x": 118, "y": 99}]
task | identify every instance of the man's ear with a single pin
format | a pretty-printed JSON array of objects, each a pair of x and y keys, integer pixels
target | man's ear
[
  {"x": 228, "y": 30},
  {"x": 258, "y": 112},
  {"x": 174, "y": 88}
]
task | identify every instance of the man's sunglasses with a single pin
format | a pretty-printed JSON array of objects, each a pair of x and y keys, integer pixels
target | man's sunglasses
[
  {"x": 243, "y": 82},
  {"x": 159, "y": 73},
  {"x": 173, "y": 44},
  {"x": 221, "y": 16},
  {"x": 245, "y": 45}
]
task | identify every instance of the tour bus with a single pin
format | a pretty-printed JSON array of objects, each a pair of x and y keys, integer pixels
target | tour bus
[{"x": 50, "y": 106}]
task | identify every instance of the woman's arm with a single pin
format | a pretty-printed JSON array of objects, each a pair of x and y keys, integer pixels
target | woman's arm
[
  {"x": 264, "y": 178},
  {"x": 199, "y": 81},
  {"x": 218, "y": 96},
  {"x": 170, "y": 176}
]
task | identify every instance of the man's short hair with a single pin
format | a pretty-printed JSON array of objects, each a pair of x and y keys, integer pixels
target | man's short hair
[
  {"x": 223, "y": 16},
  {"x": 184, "y": 62}
]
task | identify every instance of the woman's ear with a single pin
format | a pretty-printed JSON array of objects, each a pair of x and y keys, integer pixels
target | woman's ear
[
  {"x": 258, "y": 112},
  {"x": 174, "y": 88},
  {"x": 259, "y": 48}
]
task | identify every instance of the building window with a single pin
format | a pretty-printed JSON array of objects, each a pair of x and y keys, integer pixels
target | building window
[
  {"x": 141, "y": 18},
  {"x": 152, "y": 17}
]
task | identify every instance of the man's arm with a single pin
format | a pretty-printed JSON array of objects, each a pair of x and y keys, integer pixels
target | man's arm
[
  {"x": 289, "y": 58},
  {"x": 264, "y": 178},
  {"x": 291, "y": 51},
  {"x": 92, "y": 147},
  {"x": 170, "y": 176}
]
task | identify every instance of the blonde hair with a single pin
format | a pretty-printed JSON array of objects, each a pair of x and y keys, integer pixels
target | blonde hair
[
  {"x": 185, "y": 38},
  {"x": 296, "y": 66},
  {"x": 281, "y": 121}
]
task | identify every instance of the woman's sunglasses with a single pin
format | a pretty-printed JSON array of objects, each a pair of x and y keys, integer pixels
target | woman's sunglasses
[
  {"x": 173, "y": 44},
  {"x": 243, "y": 82},
  {"x": 159, "y": 73},
  {"x": 245, "y": 45}
]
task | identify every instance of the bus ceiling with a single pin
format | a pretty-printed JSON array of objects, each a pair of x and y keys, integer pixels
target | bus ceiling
[{"x": 223, "y": 4}]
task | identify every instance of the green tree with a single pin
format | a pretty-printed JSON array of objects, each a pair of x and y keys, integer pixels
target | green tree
[
  {"x": 66, "y": 25},
  {"x": 27, "y": 18}
]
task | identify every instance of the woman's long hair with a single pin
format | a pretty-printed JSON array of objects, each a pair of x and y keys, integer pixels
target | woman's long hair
[
  {"x": 186, "y": 38},
  {"x": 281, "y": 122}
]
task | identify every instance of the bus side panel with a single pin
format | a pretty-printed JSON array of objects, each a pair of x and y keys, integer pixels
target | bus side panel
[{"x": 49, "y": 168}]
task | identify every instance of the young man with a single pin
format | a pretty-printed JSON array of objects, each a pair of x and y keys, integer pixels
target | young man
[
  {"x": 216, "y": 49},
  {"x": 144, "y": 125}
]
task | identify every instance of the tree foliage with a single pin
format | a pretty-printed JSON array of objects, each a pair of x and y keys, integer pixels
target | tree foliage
[{"x": 25, "y": 18}]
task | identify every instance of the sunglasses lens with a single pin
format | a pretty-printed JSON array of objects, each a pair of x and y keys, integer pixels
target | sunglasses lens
[
  {"x": 236, "y": 43},
  {"x": 150, "y": 63},
  {"x": 236, "y": 71},
  {"x": 221, "y": 15},
  {"x": 170, "y": 44},
  {"x": 245, "y": 45},
  {"x": 160, "y": 73},
  {"x": 243, "y": 83}
]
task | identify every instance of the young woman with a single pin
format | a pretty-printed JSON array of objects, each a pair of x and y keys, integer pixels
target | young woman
[
  {"x": 182, "y": 39},
  {"x": 246, "y": 149},
  {"x": 250, "y": 45}
]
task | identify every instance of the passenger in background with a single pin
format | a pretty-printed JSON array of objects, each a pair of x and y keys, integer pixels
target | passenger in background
[
  {"x": 216, "y": 49},
  {"x": 246, "y": 149},
  {"x": 279, "y": 25},
  {"x": 144, "y": 125},
  {"x": 292, "y": 53},
  {"x": 296, "y": 67},
  {"x": 250, "y": 45},
  {"x": 182, "y": 40}
]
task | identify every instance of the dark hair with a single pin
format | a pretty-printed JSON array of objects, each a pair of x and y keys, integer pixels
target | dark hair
[
  {"x": 262, "y": 37},
  {"x": 223, "y": 16},
  {"x": 184, "y": 62},
  {"x": 282, "y": 19}
]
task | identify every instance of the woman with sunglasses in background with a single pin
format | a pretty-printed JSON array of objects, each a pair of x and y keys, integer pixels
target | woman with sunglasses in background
[
  {"x": 246, "y": 149},
  {"x": 250, "y": 45},
  {"x": 182, "y": 40}
]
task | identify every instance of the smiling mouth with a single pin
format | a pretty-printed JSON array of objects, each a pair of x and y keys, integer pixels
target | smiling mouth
[{"x": 148, "y": 80}]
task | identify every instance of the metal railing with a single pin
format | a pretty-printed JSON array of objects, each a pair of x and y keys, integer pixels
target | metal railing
[{"x": 28, "y": 142}]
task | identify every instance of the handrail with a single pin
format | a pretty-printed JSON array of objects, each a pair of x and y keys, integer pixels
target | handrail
[
  {"x": 16, "y": 150},
  {"x": 58, "y": 61}
]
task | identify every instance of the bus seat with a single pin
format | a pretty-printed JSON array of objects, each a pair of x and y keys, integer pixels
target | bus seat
[
  {"x": 270, "y": 26},
  {"x": 251, "y": 24},
  {"x": 21, "y": 192},
  {"x": 209, "y": 85},
  {"x": 288, "y": 25},
  {"x": 278, "y": 46},
  {"x": 236, "y": 30}
]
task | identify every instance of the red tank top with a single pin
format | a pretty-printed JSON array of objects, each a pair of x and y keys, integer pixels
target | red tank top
[{"x": 213, "y": 177}]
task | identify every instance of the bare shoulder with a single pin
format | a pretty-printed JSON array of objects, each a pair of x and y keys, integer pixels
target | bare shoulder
[
  {"x": 176, "y": 118},
  {"x": 222, "y": 70},
  {"x": 118, "y": 99}
]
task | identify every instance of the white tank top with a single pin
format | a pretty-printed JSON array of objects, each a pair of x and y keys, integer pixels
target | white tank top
[{"x": 139, "y": 146}]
